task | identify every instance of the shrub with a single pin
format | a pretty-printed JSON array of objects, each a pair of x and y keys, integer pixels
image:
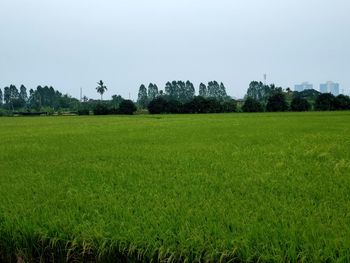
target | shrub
[
  {"x": 83, "y": 112},
  {"x": 300, "y": 104},
  {"x": 252, "y": 105},
  {"x": 101, "y": 109},
  {"x": 229, "y": 106},
  {"x": 324, "y": 102},
  {"x": 342, "y": 102},
  {"x": 277, "y": 102},
  {"x": 157, "y": 106},
  {"x": 127, "y": 107},
  {"x": 173, "y": 106}
]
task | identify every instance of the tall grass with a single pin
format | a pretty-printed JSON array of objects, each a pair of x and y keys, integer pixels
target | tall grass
[{"x": 226, "y": 187}]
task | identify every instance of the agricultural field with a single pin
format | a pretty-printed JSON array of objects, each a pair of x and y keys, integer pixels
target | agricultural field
[{"x": 270, "y": 187}]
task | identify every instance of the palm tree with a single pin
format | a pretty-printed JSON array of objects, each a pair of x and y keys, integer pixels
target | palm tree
[{"x": 101, "y": 88}]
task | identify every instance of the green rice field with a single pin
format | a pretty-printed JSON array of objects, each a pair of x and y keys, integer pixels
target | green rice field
[{"x": 269, "y": 187}]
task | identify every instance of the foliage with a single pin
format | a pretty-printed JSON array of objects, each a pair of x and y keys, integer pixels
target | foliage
[
  {"x": 127, "y": 107},
  {"x": 196, "y": 105},
  {"x": 101, "y": 109},
  {"x": 277, "y": 102},
  {"x": 309, "y": 94},
  {"x": 325, "y": 102},
  {"x": 260, "y": 92},
  {"x": 203, "y": 92},
  {"x": 216, "y": 91},
  {"x": 83, "y": 112},
  {"x": 116, "y": 101},
  {"x": 152, "y": 91},
  {"x": 252, "y": 105},
  {"x": 1, "y": 97},
  {"x": 342, "y": 102},
  {"x": 142, "y": 98},
  {"x": 269, "y": 187},
  {"x": 180, "y": 91},
  {"x": 158, "y": 105},
  {"x": 101, "y": 88},
  {"x": 300, "y": 104}
]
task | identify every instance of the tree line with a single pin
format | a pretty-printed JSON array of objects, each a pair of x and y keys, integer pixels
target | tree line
[
  {"x": 40, "y": 98},
  {"x": 175, "y": 97},
  {"x": 180, "y": 97},
  {"x": 180, "y": 91},
  {"x": 47, "y": 100},
  {"x": 261, "y": 97}
]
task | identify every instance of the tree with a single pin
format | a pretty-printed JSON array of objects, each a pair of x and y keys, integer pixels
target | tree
[
  {"x": 222, "y": 91},
  {"x": 324, "y": 102},
  {"x": 158, "y": 105},
  {"x": 127, "y": 107},
  {"x": 181, "y": 91},
  {"x": 11, "y": 97},
  {"x": 101, "y": 109},
  {"x": 23, "y": 96},
  {"x": 229, "y": 105},
  {"x": 202, "y": 90},
  {"x": 260, "y": 92},
  {"x": 213, "y": 89},
  {"x": 7, "y": 96},
  {"x": 189, "y": 91},
  {"x": 342, "y": 102},
  {"x": 101, "y": 88},
  {"x": 1, "y": 97},
  {"x": 277, "y": 102},
  {"x": 142, "y": 98},
  {"x": 252, "y": 105},
  {"x": 152, "y": 91},
  {"x": 170, "y": 90},
  {"x": 300, "y": 104}
]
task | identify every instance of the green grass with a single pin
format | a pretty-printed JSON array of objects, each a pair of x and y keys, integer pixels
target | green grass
[{"x": 244, "y": 187}]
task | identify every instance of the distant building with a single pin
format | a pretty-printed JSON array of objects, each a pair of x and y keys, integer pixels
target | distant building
[
  {"x": 303, "y": 86},
  {"x": 330, "y": 87}
]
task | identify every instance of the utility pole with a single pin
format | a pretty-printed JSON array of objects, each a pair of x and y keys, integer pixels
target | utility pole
[
  {"x": 265, "y": 77},
  {"x": 81, "y": 94}
]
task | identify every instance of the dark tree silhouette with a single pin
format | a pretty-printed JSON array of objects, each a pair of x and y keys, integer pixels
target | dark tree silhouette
[
  {"x": 300, "y": 104},
  {"x": 142, "y": 98},
  {"x": 101, "y": 88},
  {"x": 252, "y": 105},
  {"x": 202, "y": 90},
  {"x": 277, "y": 102},
  {"x": 127, "y": 107},
  {"x": 324, "y": 102}
]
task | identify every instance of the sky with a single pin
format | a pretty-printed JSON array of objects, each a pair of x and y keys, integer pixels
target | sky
[{"x": 72, "y": 44}]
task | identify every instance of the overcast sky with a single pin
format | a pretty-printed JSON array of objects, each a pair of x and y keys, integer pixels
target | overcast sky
[{"x": 74, "y": 43}]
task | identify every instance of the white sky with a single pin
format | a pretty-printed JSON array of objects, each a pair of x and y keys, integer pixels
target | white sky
[{"x": 74, "y": 43}]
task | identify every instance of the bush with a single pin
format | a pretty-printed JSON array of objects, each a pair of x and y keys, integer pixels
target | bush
[
  {"x": 127, "y": 107},
  {"x": 277, "y": 102},
  {"x": 157, "y": 106},
  {"x": 173, "y": 106},
  {"x": 342, "y": 102},
  {"x": 229, "y": 106},
  {"x": 101, "y": 109},
  {"x": 83, "y": 112},
  {"x": 325, "y": 101},
  {"x": 252, "y": 105},
  {"x": 300, "y": 104},
  {"x": 196, "y": 105}
]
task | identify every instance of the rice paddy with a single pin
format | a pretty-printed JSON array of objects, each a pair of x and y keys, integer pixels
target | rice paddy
[{"x": 196, "y": 188}]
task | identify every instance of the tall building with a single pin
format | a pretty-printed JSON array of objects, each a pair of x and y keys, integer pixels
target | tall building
[
  {"x": 303, "y": 86},
  {"x": 330, "y": 87}
]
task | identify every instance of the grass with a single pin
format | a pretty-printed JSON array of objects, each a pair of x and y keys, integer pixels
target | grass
[{"x": 239, "y": 187}]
